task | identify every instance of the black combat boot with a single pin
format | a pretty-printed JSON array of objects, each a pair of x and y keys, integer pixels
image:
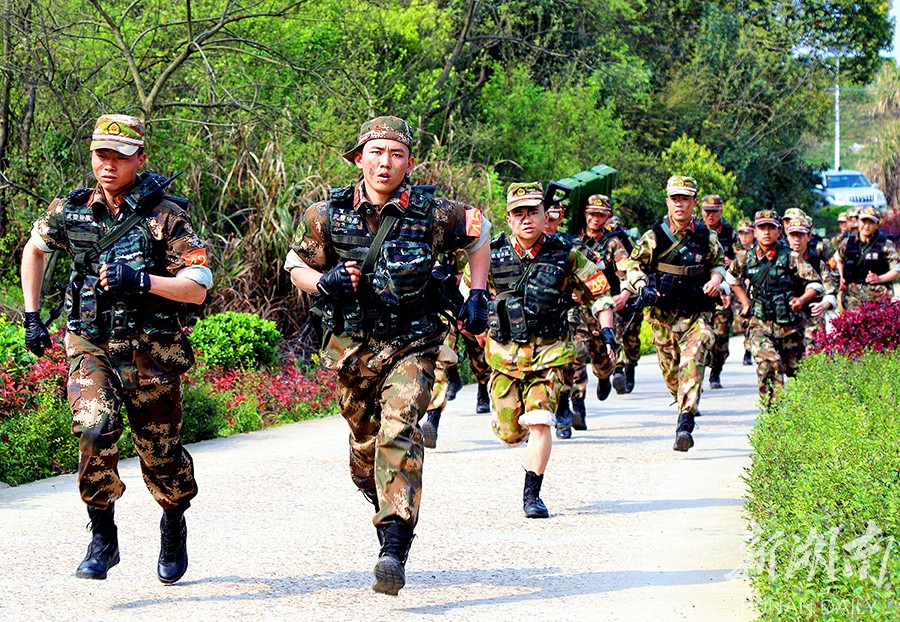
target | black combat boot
[
  {"x": 103, "y": 551},
  {"x": 173, "y": 557},
  {"x": 483, "y": 405},
  {"x": 715, "y": 381},
  {"x": 619, "y": 382},
  {"x": 563, "y": 417},
  {"x": 683, "y": 438},
  {"x": 430, "y": 428},
  {"x": 629, "y": 377},
  {"x": 748, "y": 358},
  {"x": 604, "y": 386},
  {"x": 395, "y": 538},
  {"x": 531, "y": 497},
  {"x": 579, "y": 417},
  {"x": 454, "y": 382}
]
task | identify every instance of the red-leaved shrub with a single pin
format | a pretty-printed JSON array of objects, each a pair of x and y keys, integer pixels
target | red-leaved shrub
[
  {"x": 19, "y": 391},
  {"x": 871, "y": 327}
]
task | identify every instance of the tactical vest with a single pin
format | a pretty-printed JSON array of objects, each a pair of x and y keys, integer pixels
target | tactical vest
[
  {"x": 727, "y": 238},
  {"x": 680, "y": 275},
  {"x": 609, "y": 267},
  {"x": 530, "y": 299},
  {"x": 772, "y": 295},
  {"x": 857, "y": 265},
  {"x": 391, "y": 299},
  {"x": 96, "y": 314}
]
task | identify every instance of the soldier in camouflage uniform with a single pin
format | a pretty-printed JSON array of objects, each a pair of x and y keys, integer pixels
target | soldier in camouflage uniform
[
  {"x": 782, "y": 284},
  {"x": 723, "y": 316},
  {"x": 744, "y": 241},
  {"x": 369, "y": 252},
  {"x": 534, "y": 276},
  {"x": 799, "y": 239},
  {"x": 606, "y": 243},
  {"x": 867, "y": 262},
  {"x": 124, "y": 341},
  {"x": 677, "y": 268}
]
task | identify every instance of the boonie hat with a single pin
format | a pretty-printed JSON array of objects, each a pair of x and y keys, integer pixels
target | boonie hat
[
  {"x": 391, "y": 128},
  {"x": 711, "y": 203},
  {"x": 681, "y": 184},
  {"x": 525, "y": 194},
  {"x": 600, "y": 203},
  {"x": 869, "y": 213},
  {"x": 745, "y": 224},
  {"x": 764, "y": 216},
  {"x": 119, "y": 132}
]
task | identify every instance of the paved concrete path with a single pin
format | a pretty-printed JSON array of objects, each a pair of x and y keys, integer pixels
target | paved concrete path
[{"x": 637, "y": 531}]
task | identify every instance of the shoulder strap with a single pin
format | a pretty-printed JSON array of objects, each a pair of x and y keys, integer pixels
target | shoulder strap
[
  {"x": 676, "y": 243},
  {"x": 383, "y": 230}
]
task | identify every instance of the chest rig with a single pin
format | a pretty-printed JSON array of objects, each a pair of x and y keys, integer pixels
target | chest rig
[
  {"x": 92, "y": 312},
  {"x": 679, "y": 272},
  {"x": 773, "y": 286},
  {"x": 390, "y": 299},
  {"x": 530, "y": 298},
  {"x": 861, "y": 259}
]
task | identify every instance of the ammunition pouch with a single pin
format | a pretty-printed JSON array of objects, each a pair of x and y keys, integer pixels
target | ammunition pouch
[
  {"x": 400, "y": 274},
  {"x": 776, "y": 309}
]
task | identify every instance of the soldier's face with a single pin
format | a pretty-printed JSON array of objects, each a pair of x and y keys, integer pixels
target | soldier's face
[
  {"x": 527, "y": 223},
  {"x": 746, "y": 237},
  {"x": 767, "y": 234},
  {"x": 594, "y": 220},
  {"x": 553, "y": 219},
  {"x": 712, "y": 218},
  {"x": 681, "y": 208},
  {"x": 114, "y": 171},
  {"x": 867, "y": 228},
  {"x": 383, "y": 163},
  {"x": 798, "y": 241}
]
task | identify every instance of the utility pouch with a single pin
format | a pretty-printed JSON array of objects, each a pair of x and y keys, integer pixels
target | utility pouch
[
  {"x": 354, "y": 320},
  {"x": 88, "y": 299},
  {"x": 759, "y": 309},
  {"x": 783, "y": 312},
  {"x": 515, "y": 313},
  {"x": 119, "y": 322},
  {"x": 498, "y": 328}
]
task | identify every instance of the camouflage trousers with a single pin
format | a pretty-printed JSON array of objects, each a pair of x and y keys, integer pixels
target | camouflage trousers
[
  {"x": 518, "y": 402},
  {"x": 383, "y": 410},
  {"x": 588, "y": 348},
  {"x": 681, "y": 344},
  {"x": 480, "y": 369},
  {"x": 630, "y": 340},
  {"x": 144, "y": 375},
  {"x": 858, "y": 293},
  {"x": 777, "y": 351},
  {"x": 720, "y": 322}
]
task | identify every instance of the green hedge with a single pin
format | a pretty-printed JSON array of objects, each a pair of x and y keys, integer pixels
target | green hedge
[{"x": 824, "y": 493}]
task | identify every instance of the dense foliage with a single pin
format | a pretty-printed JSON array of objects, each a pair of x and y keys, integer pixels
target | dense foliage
[
  {"x": 233, "y": 339},
  {"x": 255, "y": 100},
  {"x": 824, "y": 493},
  {"x": 871, "y": 327}
]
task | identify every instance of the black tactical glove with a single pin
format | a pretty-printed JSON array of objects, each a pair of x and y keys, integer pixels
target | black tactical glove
[
  {"x": 647, "y": 296},
  {"x": 336, "y": 283},
  {"x": 608, "y": 335},
  {"x": 474, "y": 312},
  {"x": 37, "y": 339},
  {"x": 122, "y": 278}
]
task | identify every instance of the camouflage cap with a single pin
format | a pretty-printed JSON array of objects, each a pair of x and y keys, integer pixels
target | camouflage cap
[
  {"x": 794, "y": 212},
  {"x": 853, "y": 213},
  {"x": 842, "y": 217},
  {"x": 119, "y": 132},
  {"x": 600, "y": 203},
  {"x": 869, "y": 213},
  {"x": 391, "y": 128},
  {"x": 798, "y": 225},
  {"x": 555, "y": 211},
  {"x": 524, "y": 195},
  {"x": 711, "y": 203},
  {"x": 681, "y": 184},
  {"x": 745, "y": 225},
  {"x": 764, "y": 216}
]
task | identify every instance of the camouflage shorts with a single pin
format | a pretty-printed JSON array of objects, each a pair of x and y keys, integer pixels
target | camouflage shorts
[{"x": 517, "y": 403}]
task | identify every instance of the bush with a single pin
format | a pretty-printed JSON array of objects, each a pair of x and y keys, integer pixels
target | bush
[
  {"x": 871, "y": 327},
  {"x": 204, "y": 413},
  {"x": 38, "y": 443},
  {"x": 824, "y": 492},
  {"x": 236, "y": 340},
  {"x": 14, "y": 358}
]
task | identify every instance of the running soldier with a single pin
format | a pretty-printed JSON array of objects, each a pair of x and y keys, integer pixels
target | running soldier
[
  {"x": 369, "y": 251},
  {"x": 867, "y": 262},
  {"x": 723, "y": 316}
]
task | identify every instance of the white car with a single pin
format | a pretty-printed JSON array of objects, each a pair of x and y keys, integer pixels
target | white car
[{"x": 849, "y": 188}]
